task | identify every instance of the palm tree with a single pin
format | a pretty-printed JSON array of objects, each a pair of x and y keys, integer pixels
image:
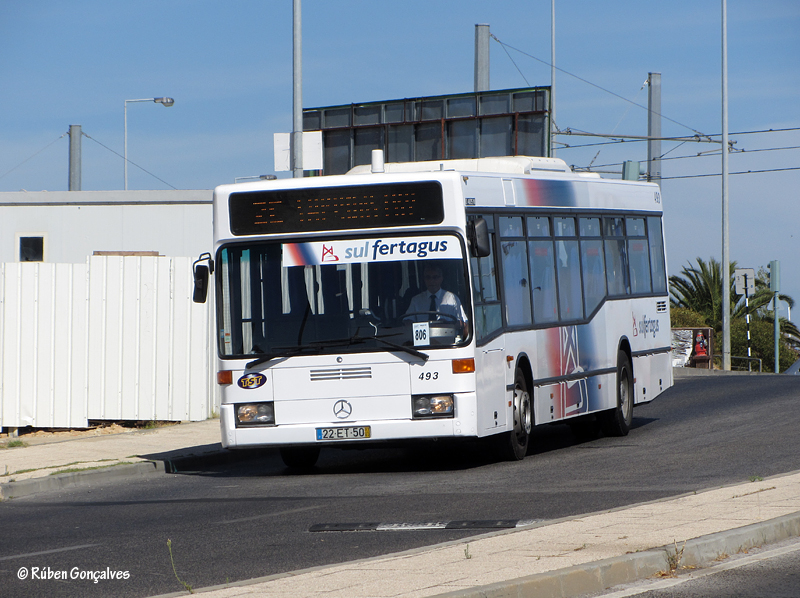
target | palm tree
[{"x": 699, "y": 289}]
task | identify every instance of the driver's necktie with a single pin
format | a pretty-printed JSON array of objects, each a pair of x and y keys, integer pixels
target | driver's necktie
[{"x": 432, "y": 309}]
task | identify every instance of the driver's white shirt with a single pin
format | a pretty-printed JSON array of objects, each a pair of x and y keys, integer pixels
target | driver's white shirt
[{"x": 446, "y": 303}]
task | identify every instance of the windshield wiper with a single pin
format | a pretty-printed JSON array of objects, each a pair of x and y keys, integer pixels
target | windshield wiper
[
  {"x": 289, "y": 352},
  {"x": 312, "y": 347},
  {"x": 409, "y": 350},
  {"x": 317, "y": 346}
]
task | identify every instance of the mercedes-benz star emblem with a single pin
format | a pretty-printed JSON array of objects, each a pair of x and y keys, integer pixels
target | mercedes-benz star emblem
[{"x": 342, "y": 409}]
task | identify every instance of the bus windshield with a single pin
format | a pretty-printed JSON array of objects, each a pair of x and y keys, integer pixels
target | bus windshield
[{"x": 361, "y": 294}]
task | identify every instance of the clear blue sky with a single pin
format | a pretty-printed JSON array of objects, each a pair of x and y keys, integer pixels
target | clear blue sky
[{"x": 229, "y": 67}]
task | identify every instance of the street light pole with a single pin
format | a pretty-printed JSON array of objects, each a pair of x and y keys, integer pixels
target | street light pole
[
  {"x": 726, "y": 259},
  {"x": 166, "y": 102},
  {"x": 297, "y": 95}
]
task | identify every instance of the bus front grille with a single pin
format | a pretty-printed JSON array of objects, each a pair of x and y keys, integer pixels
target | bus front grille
[{"x": 340, "y": 374}]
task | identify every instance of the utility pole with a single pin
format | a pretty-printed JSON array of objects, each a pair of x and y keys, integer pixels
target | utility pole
[
  {"x": 654, "y": 127},
  {"x": 75, "y": 157},
  {"x": 481, "y": 57},
  {"x": 726, "y": 257},
  {"x": 552, "y": 78},
  {"x": 297, "y": 96}
]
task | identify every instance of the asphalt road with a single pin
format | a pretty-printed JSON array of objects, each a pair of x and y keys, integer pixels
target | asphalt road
[{"x": 253, "y": 518}]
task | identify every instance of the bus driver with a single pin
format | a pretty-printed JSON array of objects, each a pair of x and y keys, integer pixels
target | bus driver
[{"x": 433, "y": 301}]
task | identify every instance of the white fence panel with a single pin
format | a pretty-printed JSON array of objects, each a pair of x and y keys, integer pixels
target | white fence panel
[
  {"x": 43, "y": 374},
  {"x": 152, "y": 341},
  {"x": 120, "y": 339}
]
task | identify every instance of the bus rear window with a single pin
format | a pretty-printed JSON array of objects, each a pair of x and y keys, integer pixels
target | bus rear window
[{"x": 335, "y": 208}]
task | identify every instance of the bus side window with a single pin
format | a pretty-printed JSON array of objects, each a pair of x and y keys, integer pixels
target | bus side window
[
  {"x": 543, "y": 281},
  {"x": 638, "y": 256},
  {"x": 656, "y": 242},
  {"x": 484, "y": 286},
  {"x": 616, "y": 258},
  {"x": 516, "y": 283},
  {"x": 594, "y": 280},
  {"x": 569, "y": 280}
]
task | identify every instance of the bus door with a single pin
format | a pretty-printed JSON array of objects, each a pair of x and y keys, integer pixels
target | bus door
[
  {"x": 490, "y": 368},
  {"x": 490, "y": 355}
]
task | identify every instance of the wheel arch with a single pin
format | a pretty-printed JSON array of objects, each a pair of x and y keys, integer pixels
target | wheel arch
[
  {"x": 524, "y": 364},
  {"x": 625, "y": 347}
]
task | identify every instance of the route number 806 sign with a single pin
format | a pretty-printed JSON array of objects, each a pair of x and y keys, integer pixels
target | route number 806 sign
[{"x": 422, "y": 333}]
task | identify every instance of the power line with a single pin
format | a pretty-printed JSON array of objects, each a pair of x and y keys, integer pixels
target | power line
[
  {"x": 129, "y": 161},
  {"x": 35, "y": 154},
  {"x": 697, "y": 176},
  {"x": 514, "y": 63},
  {"x": 97, "y": 142},
  {"x": 709, "y": 154},
  {"x": 595, "y": 85}
]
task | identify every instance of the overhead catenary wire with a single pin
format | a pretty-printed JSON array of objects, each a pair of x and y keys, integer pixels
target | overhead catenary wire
[
  {"x": 713, "y": 153},
  {"x": 616, "y": 139},
  {"x": 698, "y": 176},
  {"x": 129, "y": 161},
  {"x": 594, "y": 85}
]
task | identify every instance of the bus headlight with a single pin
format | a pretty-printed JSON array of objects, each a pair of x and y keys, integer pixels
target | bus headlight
[
  {"x": 255, "y": 414},
  {"x": 424, "y": 406}
]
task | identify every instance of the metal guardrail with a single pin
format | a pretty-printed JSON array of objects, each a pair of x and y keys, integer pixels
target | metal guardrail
[
  {"x": 747, "y": 367},
  {"x": 748, "y": 360}
]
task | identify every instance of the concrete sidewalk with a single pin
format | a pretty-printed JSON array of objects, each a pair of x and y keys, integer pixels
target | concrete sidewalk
[
  {"x": 39, "y": 465},
  {"x": 568, "y": 557}
]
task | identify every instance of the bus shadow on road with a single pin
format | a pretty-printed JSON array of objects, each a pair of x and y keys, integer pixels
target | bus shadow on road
[{"x": 426, "y": 456}]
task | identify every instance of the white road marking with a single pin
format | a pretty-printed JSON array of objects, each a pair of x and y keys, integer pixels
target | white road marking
[{"x": 54, "y": 550}]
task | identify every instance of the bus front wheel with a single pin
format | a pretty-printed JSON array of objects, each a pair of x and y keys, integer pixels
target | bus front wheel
[
  {"x": 300, "y": 457},
  {"x": 514, "y": 444},
  {"x": 617, "y": 422}
]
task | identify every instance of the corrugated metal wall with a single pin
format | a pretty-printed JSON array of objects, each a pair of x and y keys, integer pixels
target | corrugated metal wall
[{"x": 118, "y": 338}]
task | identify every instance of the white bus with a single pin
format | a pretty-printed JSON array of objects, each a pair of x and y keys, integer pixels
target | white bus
[{"x": 549, "y": 304}]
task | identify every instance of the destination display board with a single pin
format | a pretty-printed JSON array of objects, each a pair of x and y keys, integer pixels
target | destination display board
[{"x": 335, "y": 208}]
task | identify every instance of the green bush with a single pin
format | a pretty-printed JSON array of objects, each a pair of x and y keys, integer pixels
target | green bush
[
  {"x": 682, "y": 317},
  {"x": 762, "y": 344}
]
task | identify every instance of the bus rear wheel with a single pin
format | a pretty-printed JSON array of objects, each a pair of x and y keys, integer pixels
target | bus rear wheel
[
  {"x": 514, "y": 444},
  {"x": 300, "y": 457},
  {"x": 617, "y": 422}
]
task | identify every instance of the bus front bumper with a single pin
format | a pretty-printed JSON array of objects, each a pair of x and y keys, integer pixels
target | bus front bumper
[{"x": 461, "y": 425}]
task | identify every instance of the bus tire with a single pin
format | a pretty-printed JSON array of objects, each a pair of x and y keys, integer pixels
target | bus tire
[
  {"x": 514, "y": 443},
  {"x": 617, "y": 422},
  {"x": 300, "y": 457}
]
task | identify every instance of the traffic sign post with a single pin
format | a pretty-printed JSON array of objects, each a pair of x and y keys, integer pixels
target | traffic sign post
[{"x": 745, "y": 284}]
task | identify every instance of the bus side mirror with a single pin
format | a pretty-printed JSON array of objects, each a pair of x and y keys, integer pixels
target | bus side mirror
[
  {"x": 201, "y": 273},
  {"x": 478, "y": 233}
]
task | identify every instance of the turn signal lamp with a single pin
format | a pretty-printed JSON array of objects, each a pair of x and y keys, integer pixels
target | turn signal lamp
[
  {"x": 224, "y": 377},
  {"x": 463, "y": 366}
]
